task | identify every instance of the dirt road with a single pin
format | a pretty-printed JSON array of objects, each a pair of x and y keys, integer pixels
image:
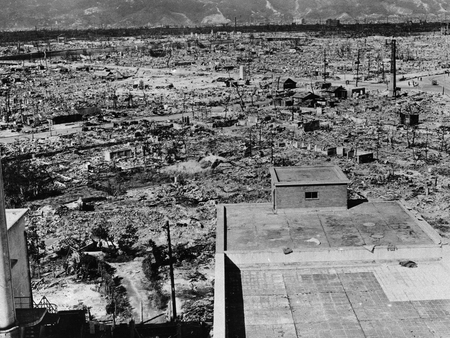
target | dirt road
[{"x": 134, "y": 280}]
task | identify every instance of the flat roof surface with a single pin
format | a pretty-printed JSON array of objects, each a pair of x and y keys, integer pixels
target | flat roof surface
[
  {"x": 308, "y": 174},
  {"x": 257, "y": 227},
  {"x": 13, "y": 215},
  {"x": 373, "y": 301}
]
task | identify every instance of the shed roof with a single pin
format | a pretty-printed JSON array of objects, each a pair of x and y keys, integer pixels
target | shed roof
[
  {"x": 308, "y": 175},
  {"x": 289, "y": 80},
  {"x": 305, "y": 95}
]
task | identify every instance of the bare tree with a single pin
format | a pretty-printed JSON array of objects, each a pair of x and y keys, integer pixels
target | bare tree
[
  {"x": 252, "y": 95},
  {"x": 169, "y": 57},
  {"x": 240, "y": 94},
  {"x": 441, "y": 133},
  {"x": 411, "y": 136}
]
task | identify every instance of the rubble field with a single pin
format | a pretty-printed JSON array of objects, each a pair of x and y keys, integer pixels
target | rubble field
[{"x": 107, "y": 148}]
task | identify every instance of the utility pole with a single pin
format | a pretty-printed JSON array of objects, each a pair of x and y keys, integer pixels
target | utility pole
[
  {"x": 184, "y": 104},
  {"x": 172, "y": 278},
  {"x": 324, "y": 65},
  {"x": 271, "y": 145},
  {"x": 260, "y": 134},
  {"x": 378, "y": 139},
  {"x": 393, "y": 68},
  {"x": 250, "y": 141},
  {"x": 357, "y": 69},
  {"x": 193, "y": 103}
]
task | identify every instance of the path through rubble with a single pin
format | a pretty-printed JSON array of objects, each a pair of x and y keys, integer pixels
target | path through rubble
[{"x": 134, "y": 280}]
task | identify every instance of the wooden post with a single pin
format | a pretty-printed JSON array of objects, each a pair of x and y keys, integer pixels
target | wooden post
[{"x": 172, "y": 278}]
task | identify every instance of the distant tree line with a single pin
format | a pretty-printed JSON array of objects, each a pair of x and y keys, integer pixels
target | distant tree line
[{"x": 363, "y": 29}]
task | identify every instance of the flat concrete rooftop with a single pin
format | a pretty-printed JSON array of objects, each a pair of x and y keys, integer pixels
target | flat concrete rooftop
[
  {"x": 322, "y": 174},
  {"x": 253, "y": 227},
  {"x": 329, "y": 273},
  {"x": 372, "y": 301}
]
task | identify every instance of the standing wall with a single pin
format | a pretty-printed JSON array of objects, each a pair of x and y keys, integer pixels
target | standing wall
[{"x": 329, "y": 196}]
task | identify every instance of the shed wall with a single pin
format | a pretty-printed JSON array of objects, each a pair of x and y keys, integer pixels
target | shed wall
[{"x": 330, "y": 196}]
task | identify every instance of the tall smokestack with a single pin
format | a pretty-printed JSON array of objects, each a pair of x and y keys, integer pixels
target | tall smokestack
[
  {"x": 7, "y": 311},
  {"x": 393, "y": 69}
]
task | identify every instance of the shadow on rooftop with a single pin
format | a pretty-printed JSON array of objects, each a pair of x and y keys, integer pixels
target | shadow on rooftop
[
  {"x": 235, "y": 320},
  {"x": 355, "y": 202}
]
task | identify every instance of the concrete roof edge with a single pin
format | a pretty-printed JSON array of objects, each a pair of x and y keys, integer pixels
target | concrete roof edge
[
  {"x": 424, "y": 225},
  {"x": 273, "y": 175},
  {"x": 22, "y": 210},
  {"x": 219, "y": 320},
  {"x": 264, "y": 204},
  {"x": 221, "y": 229},
  {"x": 337, "y": 170},
  {"x": 14, "y": 218},
  {"x": 286, "y": 184},
  {"x": 340, "y": 173},
  {"x": 331, "y": 249}
]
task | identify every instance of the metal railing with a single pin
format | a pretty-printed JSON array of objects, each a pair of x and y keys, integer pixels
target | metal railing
[
  {"x": 44, "y": 303},
  {"x": 23, "y": 302}
]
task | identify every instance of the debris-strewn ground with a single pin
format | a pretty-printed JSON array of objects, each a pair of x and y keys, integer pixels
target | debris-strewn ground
[{"x": 194, "y": 135}]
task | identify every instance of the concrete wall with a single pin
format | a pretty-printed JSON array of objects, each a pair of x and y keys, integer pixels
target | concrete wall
[
  {"x": 333, "y": 256},
  {"x": 20, "y": 272},
  {"x": 331, "y": 151},
  {"x": 112, "y": 155},
  {"x": 219, "y": 284},
  {"x": 365, "y": 158},
  {"x": 219, "y": 297},
  {"x": 330, "y": 196}
]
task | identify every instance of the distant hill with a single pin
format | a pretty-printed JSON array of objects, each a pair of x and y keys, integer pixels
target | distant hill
[{"x": 26, "y": 14}]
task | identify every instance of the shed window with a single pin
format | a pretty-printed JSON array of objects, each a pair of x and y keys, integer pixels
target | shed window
[{"x": 311, "y": 195}]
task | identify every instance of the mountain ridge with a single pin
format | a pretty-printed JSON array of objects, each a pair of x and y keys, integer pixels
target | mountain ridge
[{"x": 26, "y": 14}]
